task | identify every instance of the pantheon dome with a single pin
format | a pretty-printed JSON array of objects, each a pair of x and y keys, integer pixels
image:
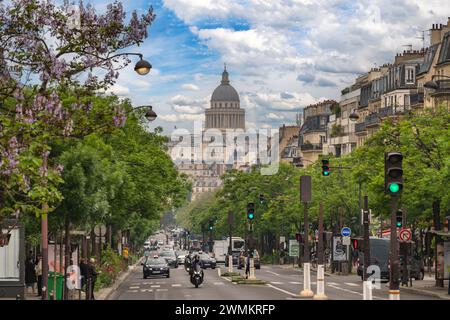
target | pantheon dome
[{"x": 225, "y": 111}]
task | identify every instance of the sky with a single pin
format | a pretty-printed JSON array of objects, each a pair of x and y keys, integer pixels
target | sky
[{"x": 281, "y": 55}]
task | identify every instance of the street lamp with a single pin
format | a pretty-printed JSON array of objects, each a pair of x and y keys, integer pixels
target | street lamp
[
  {"x": 150, "y": 115},
  {"x": 353, "y": 116},
  {"x": 142, "y": 67}
]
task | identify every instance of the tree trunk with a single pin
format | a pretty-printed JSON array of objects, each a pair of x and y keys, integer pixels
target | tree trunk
[{"x": 437, "y": 227}]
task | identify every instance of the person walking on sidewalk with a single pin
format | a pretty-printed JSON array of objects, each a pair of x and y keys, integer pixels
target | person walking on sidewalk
[
  {"x": 247, "y": 265},
  {"x": 39, "y": 274},
  {"x": 30, "y": 272},
  {"x": 91, "y": 278}
]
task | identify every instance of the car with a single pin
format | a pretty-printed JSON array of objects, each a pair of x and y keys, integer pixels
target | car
[
  {"x": 207, "y": 261},
  {"x": 181, "y": 256},
  {"x": 155, "y": 267},
  {"x": 256, "y": 260},
  {"x": 235, "y": 255},
  {"x": 160, "y": 243},
  {"x": 379, "y": 256},
  {"x": 170, "y": 257}
]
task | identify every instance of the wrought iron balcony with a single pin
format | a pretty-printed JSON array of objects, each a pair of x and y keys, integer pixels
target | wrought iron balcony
[
  {"x": 388, "y": 111},
  {"x": 372, "y": 119},
  {"x": 360, "y": 127},
  {"x": 311, "y": 147}
]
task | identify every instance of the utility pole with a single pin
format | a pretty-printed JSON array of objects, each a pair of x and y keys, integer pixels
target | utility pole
[
  {"x": 367, "y": 291},
  {"x": 305, "y": 197},
  {"x": 394, "y": 287},
  {"x": 320, "y": 268},
  {"x": 230, "y": 245}
]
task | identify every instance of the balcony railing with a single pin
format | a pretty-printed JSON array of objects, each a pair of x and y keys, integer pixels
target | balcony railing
[
  {"x": 311, "y": 147},
  {"x": 388, "y": 111},
  {"x": 372, "y": 119},
  {"x": 416, "y": 98},
  {"x": 360, "y": 127},
  {"x": 443, "y": 87}
]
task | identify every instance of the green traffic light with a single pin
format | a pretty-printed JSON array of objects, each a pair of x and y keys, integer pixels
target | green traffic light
[
  {"x": 250, "y": 216},
  {"x": 399, "y": 224},
  {"x": 394, "y": 187},
  {"x": 326, "y": 173}
]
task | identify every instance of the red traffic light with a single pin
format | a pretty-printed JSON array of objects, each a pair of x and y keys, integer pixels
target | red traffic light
[{"x": 355, "y": 244}]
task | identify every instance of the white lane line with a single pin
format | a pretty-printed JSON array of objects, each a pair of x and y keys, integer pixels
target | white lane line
[
  {"x": 219, "y": 283},
  {"x": 156, "y": 286},
  {"x": 332, "y": 283},
  {"x": 135, "y": 287},
  {"x": 159, "y": 290},
  {"x": 176, "y": 285},
  {"x": 294, "y": 282},
  {"x": 276, "y": 282},
  {"x": 351, "y": 284},
  {"x": 353, "y": 292},
  {"x": 132, "y": 291},
  {"x": 159, "y": 282},
  {"x": 277, "y": 274},
  {"x": 284, "y": 291},
  {"x": 146, "y": 290}
]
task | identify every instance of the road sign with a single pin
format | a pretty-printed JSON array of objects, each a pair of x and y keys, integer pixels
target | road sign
[
  {"x": 346, "y": 241},
  {"x": 293, "y": 248},
  {"x": 100, "y": 230},
  {"x": 405, "y": 235},
  {"x": 346, "y": 232}
]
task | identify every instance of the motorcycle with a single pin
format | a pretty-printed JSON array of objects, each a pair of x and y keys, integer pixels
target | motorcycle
[{"x": 197, "y": 277}]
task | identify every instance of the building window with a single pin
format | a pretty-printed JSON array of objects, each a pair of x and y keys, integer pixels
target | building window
[
  {"x": 410, "y": 75},
  {"x": 220, "y": 104},
  {"x": 226, "y": 104}
]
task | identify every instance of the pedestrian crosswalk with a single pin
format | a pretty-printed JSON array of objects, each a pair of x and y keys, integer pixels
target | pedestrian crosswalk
[{"x": 350, "y": 284}]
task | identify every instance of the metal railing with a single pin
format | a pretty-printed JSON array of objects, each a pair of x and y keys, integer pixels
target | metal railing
[
  {"x": 372, "y": 119},
  {"x": 311, "y": 146},
  {"x": 360, "y": 127}
]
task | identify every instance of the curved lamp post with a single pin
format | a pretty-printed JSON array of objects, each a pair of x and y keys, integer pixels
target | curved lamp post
[
  {"x": 353, "y": 116},
  {"x": 142, "y": 67}
]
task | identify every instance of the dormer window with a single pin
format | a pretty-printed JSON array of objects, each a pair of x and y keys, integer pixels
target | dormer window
[{"x": 410, "y": 75}]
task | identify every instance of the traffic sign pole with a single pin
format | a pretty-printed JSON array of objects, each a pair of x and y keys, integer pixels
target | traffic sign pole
[{"x": 320, "y": 295}]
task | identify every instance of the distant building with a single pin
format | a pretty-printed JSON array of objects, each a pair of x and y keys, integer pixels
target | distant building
[{"x": 288, "y": 143}]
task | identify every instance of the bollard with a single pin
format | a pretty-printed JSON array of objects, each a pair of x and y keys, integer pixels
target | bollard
[
  {"x": 230, "y": 263},
  {"x": 367, "y": 290},
  {"x": 394, "y": 294},
  {"x": 320, "y": 295},
  {"x": 307, "y": 292},
  {"x": 218, "y": 271},
  {"x": 252, "y": 269}
]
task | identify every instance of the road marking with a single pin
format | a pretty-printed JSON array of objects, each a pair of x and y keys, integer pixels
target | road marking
[
  {"x": 159, "y": 282},
  {"x": 275, "y": 282},
  {"x": 284, "y": 291},
  {"x": 135, "y": 287},
  {"x": 354, "y": 292},
  {"x": 295, "y": 282},
  {"x": 332, "y": 283},
  {"x": 156, "y": 286},
  {"x": 132, "y": 291},
  {"x": 351, "y": 284},
  {"x": 146, "y": 290},
  {"x": 159, "y": 290},
  {"x": 176, "y": 285},
  {"x": 272, "y": 273}
]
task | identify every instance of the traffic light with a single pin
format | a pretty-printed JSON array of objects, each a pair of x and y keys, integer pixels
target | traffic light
[
  {"x": 250, "y": 211},
  {"x": 211, "y": 225},
  {"x": 393, "y": 173},
  {"x": 399, "y": 218},
  {"x": 262, "y": 200},
  {"x": 355, "y": 244},
  {"x": 325, "y": 167},
  {"x": 298, "y": 236}
]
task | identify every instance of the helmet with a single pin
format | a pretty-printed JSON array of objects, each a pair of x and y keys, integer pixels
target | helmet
[{"x": 155, "y": 256}]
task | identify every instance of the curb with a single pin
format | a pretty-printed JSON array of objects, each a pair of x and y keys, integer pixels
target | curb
[
  {"x": 117, "y": 283},
  {"x": 425, "y": 293}
]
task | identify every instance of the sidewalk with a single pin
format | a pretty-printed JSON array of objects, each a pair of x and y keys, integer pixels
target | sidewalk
[
  {"x": 427, "y": 287},
  {"x": 102, "y": 294}
]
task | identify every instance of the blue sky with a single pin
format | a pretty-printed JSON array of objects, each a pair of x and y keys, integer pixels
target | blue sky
[{"x": 281, "y": 55}]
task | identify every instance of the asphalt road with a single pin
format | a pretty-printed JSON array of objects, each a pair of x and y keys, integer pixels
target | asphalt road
[{"x": 283, "y": 283}]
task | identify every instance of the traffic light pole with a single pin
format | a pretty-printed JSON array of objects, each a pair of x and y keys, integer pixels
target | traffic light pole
[
  {"x": 252, "y": 261},
  {"x": 367, "y": 289},
  {"x": 230, "y": 252},
  {"x": 394, "y": 288},
  {"x": 307, "y": 292},
  {"x": 320, "y": 295}
]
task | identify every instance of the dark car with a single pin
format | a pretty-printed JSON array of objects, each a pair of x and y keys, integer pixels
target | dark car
[
  {"x": 235, "y": 255},
  {"x": 379, "y": 256},
  {"x": 256, "y": 260},
  {"x": 207, "y": 261},
  {"x": 170, "y": 257},
  {"x": 155, "y": 267}
]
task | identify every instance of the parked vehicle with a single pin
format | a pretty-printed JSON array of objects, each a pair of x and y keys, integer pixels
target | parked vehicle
[
  {"x": 220, "y": 250},
  {"x": 155, "y": 267},
  {"x": 237, "y": 245}
]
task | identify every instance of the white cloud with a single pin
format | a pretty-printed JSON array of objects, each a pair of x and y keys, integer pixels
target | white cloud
[
  {"x": 190, "y": 86},
  {"x": 119, "y": 90},
  {"x": 168, "y": 117},
  {"x": 273, "y": 116}
]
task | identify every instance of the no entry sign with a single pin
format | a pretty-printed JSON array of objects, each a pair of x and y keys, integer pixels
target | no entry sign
[{"x": 405, "y": 235}]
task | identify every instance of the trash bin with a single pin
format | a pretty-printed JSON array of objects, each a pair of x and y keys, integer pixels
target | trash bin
[{"x": 59, "y": 285}]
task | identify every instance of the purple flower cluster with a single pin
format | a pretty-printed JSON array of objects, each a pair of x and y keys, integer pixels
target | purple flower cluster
[
  {"x": 9, "y": 157},
  {"x": 120, "y": 118}
]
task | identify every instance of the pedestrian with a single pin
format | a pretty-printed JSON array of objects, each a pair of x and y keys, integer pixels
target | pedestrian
[
  {"x": 30, "y": 272},
  {"x": 355, "y": 255},
  {"x": 91, "y": 278},
  {"x": 247, "y": 265},
  {"x": 39, "y": 274},
  {"x": 83, "y": 271}
]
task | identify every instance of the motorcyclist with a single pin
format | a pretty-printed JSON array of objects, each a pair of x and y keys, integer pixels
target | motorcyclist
[
  {"x": 188, "y": 261},
  {"x": 196, "y": 264}
]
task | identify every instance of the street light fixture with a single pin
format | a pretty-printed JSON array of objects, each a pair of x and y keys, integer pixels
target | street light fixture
[
  {"x": 142, "y": 67},
  {"x": 150, "y": 115},
  {"x": 353, "y": 116}
]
